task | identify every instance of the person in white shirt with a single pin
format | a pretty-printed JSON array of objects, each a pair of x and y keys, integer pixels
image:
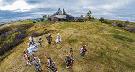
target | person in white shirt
[
  {"x": 83, "y": 50},
  {"x": 31, "y": 39},
  {"x": 58, "y": 38}
]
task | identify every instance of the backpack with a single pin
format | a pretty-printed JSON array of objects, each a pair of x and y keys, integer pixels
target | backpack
[
  {"x": 84, "y": 49},
  {"x": 68, "y": 60}
]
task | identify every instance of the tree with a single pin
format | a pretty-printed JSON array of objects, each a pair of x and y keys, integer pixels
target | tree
[
  {"x": 127, "y": 22},
  {"x": 45, "y": 17},
  {"x": 102, "y": 19},
  {"x": 89, "y": 15}
]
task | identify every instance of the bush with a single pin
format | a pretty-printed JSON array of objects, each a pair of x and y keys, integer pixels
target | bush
[
  {"x": 105, "y": 20},
  {"x": 10, "y": 41},
  {"x": 130, "y": 29},
  {"x": 5, "y": 29},
  {"x": 36, "y": 34},
  {"x": 12, "y": 37},
  {"x": 102, "y": 19}
]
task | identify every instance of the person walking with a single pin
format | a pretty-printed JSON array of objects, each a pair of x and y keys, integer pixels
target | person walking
[
  {"x": 69, "y": 61},
  {"x": 49, "y": 38},
  {"x": 26, "y": 58},
  {"x": 40, "y": 41},
  {"x": 37, "y": 63},
  {"x": 58, "y": 38},
  {"x": 51, "y": 65},
  {"x": 31, "y": 39},
  {"x": 83, "y": 50}
]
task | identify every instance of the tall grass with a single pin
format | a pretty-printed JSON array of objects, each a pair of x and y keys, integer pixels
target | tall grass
[{"x": 110, "y": 49}]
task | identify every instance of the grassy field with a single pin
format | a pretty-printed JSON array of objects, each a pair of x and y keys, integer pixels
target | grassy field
[{"x": 110, "y": 49}]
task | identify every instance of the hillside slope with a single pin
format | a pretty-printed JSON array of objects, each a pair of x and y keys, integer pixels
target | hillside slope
[{"x": 110, "y": 49}]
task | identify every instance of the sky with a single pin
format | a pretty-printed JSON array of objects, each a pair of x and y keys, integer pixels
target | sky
[{"x": 24, "y": 9}]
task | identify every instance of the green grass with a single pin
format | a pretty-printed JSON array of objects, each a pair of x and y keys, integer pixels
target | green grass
[{"x": 110, "y": 49}]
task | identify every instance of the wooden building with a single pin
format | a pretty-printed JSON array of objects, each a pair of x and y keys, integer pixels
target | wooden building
[{"x": 61, "y": 16}]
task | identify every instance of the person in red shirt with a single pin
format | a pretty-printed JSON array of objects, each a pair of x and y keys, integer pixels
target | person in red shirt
[{"x": 26, "y": 58}]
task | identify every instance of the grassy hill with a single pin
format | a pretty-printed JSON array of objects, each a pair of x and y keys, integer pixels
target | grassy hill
[{"x": 110, "y": 49}]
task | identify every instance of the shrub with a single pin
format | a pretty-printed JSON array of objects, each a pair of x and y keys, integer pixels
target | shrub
[
  {"x": 10, "y": 41},
  {"x": 11, "y": 37},
  {"x": 5, "y": 29},
  {"x": 36, "y": 34},
  {"x": 102, "y": 19},
  {"x": 130, "y": 29}
]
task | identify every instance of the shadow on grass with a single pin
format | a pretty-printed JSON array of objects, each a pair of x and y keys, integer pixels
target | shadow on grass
[{"x": 123, "y": 38}]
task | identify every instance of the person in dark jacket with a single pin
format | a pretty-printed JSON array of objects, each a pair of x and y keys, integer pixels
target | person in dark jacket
[
  {"x": 51, "y": 65},
  {"x": 69, "y": 61},
  {"x": 71, "y": 52},
  {"x": 49, "y": 38},
  {"x": 37, "y": 63},
  {"x": 40, "y": 41}
]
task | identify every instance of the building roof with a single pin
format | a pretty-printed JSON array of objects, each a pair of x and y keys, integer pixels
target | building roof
[{"x": 60, "y": 16}]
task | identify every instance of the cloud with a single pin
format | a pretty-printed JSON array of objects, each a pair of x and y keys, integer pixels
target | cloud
[
  {"x": 1, "y": 2},
  {"x": 107, "y": 4},
  {"x": 99, "y": 8},
  {"x": 18, "y": 5},
  {"x": 116, "y": 4},
  {"x": 27, "y": 5}
]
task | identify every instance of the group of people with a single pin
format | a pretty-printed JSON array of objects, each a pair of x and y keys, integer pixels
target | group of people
[
  {"x": 29, "y": 56},
  {"x": 69, "y": 60},
  {"x": 58, "y": 39},
  {"x": 31, "y": 59}
]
